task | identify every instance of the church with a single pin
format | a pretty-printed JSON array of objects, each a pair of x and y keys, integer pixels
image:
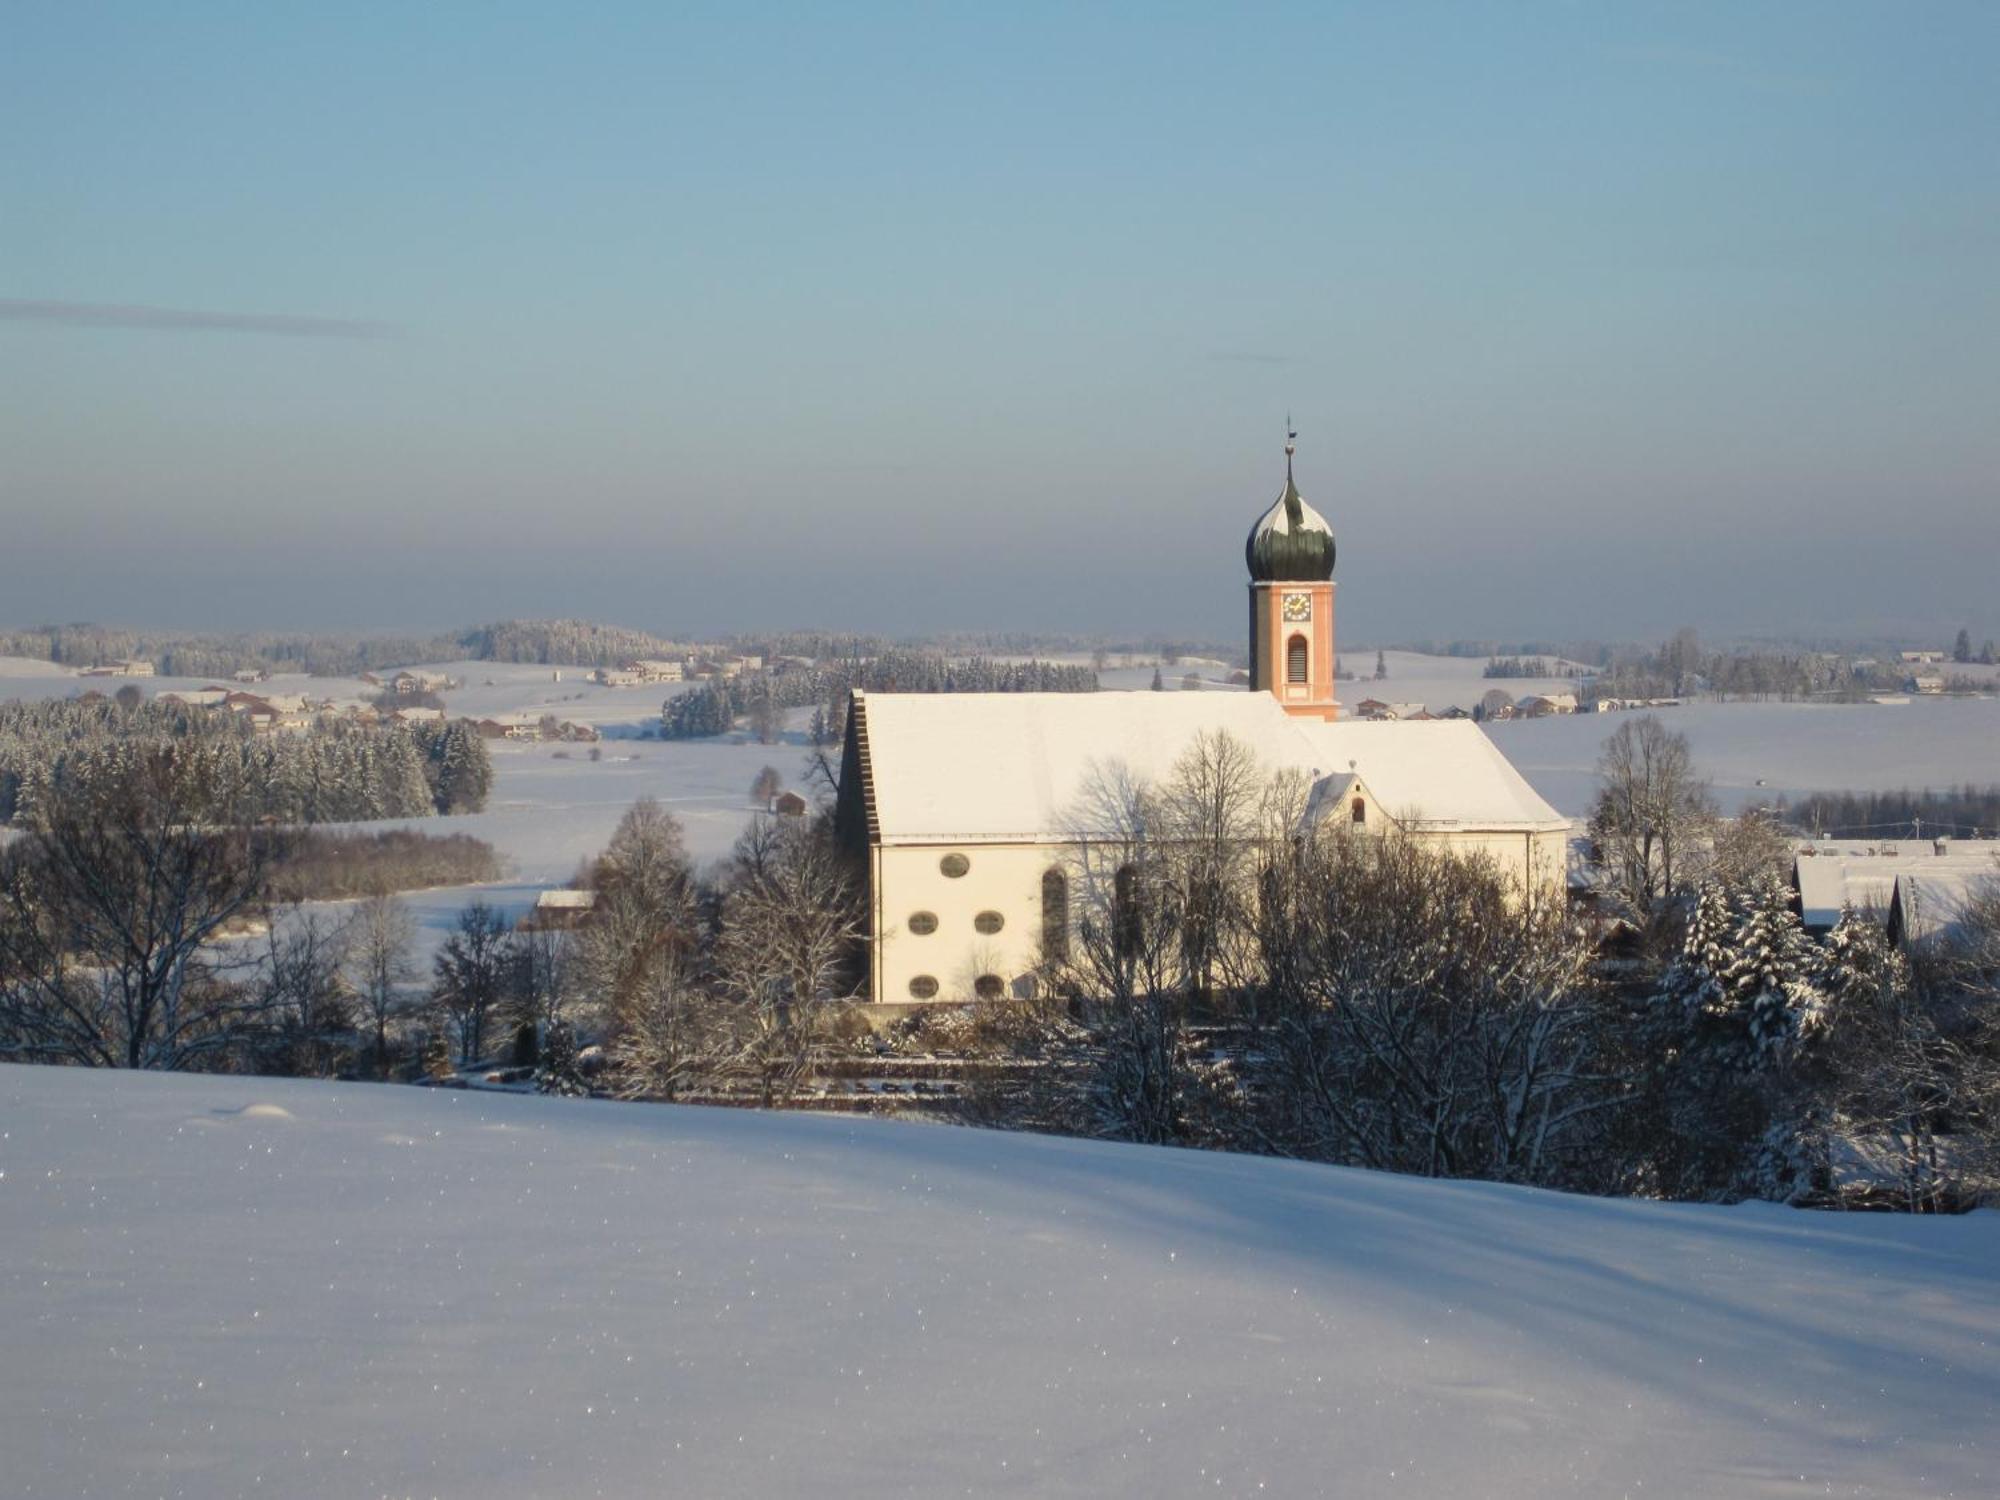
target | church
[{"x": 972, "y": 810}]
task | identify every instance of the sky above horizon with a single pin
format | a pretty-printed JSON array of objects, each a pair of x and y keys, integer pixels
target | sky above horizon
[{"x": 1595, "y": 320}]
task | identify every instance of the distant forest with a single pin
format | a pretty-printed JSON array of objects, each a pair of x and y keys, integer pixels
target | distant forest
[
  {"x": 565, "y": 643},
  {"x": 1962, "y": 812},
  {"x": 339, "y": 771},
  {"x": 553, "y": 642},
  {"x": 715, "y": 707}
]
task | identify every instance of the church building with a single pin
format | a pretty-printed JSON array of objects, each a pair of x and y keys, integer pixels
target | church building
[{"x": 972, "y": 810}]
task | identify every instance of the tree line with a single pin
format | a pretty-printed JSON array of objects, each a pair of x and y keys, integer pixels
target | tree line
[
  {"x": 763, "y": 697},
  {"x": 1960, "y": 812},
  {"x": 338, "y": 770},
  {"x": 188, "y": 654},
  {"x": 1518, "y": 666}
]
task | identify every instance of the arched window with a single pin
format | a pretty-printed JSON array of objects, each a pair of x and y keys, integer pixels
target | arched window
[
  {"x": 1295, "y": 660},
  {"x": 1055, "y": 915},
  {"x": 1125, "y": 917},
  {"x": 1359, "y": 812}
]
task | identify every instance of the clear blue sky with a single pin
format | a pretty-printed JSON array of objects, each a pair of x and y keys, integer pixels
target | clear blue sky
[{"x": 1594, "y": 318}]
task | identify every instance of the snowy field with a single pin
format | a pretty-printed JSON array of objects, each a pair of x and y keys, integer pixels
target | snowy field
[
  {"x": 217, "y": 1287},
  {"x": 1753, "y": 752}
]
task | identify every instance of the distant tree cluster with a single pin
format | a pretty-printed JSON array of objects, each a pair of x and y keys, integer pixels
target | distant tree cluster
[
  {"x": 1518, "y": 666},
  {"x": 1680, "y": 668},
  {"x": 313, "y": 864},
  {"x": 337, "y": 771},
  {"x": 1962, "y": 812},
  {"x": 173, "y": 654},
  {"x": 1962, "y": 652},
  {"x": 1587, "y": 653},
  {"x": 185, "y": 655},
  {"x": 716, "y": 706},
  {"x": 580, "y": 643}
]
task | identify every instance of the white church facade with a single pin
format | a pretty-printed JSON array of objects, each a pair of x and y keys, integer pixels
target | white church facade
[{"x": 973, "y": 811}]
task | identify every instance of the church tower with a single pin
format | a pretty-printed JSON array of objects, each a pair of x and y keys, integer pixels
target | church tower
[{"x": 1290, "y": 553}]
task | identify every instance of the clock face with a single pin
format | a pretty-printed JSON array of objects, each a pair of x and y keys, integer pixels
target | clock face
[{"x": 1298, "y": 607}]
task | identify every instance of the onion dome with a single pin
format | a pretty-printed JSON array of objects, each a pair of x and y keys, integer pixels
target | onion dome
[{"x": 1291, "y": 542}]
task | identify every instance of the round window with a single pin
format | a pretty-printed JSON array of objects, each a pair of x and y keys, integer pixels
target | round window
[
  {"x": 989, "y": 987},
  {"x": 923, "y": 987},
  {"x": 923, "y": 923},
  {"x": 954, "y": 865},
  {"x": 988, "y": 922}
]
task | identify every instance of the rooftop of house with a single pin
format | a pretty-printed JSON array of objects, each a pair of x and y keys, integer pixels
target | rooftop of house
[{"x": 1863, "y": 873}]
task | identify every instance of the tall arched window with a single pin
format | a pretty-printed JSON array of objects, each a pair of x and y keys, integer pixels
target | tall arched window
[
  {"x": 1055, "y": 915},
  {"x": 1295, "y": 660},
  {"x": 1126, "y": 932}
]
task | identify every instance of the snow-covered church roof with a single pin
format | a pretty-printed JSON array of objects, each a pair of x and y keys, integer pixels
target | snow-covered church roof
[{"x": 1019, "y": 767}]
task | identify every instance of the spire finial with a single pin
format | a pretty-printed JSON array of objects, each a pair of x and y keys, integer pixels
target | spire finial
[{"x": 1291, "y": 446}]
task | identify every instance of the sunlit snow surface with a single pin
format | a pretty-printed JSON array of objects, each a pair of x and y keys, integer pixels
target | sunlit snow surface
[{"x": 221, "y": 1287}]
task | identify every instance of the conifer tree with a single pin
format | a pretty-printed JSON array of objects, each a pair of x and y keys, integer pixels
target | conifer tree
[
  {"x": 1771, "y": 984},
  {"x": 561, "y": 1072}
]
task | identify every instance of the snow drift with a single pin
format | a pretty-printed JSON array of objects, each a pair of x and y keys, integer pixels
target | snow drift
[{"x": 214, "y": 1287}]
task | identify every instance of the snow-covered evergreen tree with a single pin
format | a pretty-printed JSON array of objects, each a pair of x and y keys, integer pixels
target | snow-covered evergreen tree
[
  {"x": 1771, "y": 986},
  {"x": 1693, "y": 980},
  {"x": 560, "y": 1071}
]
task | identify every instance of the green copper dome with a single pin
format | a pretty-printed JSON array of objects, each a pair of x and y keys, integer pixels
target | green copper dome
[{"x": 1291, "y": 542}]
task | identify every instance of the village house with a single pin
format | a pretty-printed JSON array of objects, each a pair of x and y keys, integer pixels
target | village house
[
  {"x": 411, "y": 683},
  {"x": 1915, "y": 887},
  {"x": 1542, "y": 705},
  {"x": 558, "y": 911}
]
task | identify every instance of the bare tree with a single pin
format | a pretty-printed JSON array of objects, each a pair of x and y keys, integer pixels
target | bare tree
[
  {"x": 1748, "y": 848},
  {"x": 673, "y": 1035},
  {"x": 304, "y": 994},
  {"x": 1651, "y": 808},
  {"x": 766, "y": 787},
  {"x": 1423, "y": 1019},
  {"x": 791, "y": 928},
  {"x": 471, "y": 975},
  {"x": 380, "y": 967},
  {"x": 647, "y": 920},
  {"x": 767, "y": 716},
  {"x": 543, "y": 961},
  {"x": 110, "y": 911}
]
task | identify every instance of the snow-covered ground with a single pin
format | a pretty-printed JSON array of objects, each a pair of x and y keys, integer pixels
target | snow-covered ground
[{"x": 221, "y": 1287}]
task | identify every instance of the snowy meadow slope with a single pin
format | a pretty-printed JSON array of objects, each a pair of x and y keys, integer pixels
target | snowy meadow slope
[{"x": 218, "y": 1286}]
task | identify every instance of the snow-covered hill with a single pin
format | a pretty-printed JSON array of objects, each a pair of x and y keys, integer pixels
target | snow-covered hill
[{"x": 216, "y": 1287}]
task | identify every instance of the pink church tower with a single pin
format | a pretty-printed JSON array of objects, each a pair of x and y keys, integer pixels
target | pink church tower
[{"x": 1290, "y": 553}]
